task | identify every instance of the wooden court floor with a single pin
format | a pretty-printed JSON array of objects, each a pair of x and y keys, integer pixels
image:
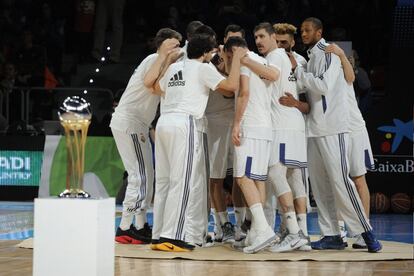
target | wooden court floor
[{"x": 17, "y": 261}]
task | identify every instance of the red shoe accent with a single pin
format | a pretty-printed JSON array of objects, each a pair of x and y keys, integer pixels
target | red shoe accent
[
  {"x": 134, "y": 241},
  {"x": 127, "y": 240}
]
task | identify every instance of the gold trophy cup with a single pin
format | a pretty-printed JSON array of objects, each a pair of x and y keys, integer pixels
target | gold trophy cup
[{"x": 75, "y": 117}]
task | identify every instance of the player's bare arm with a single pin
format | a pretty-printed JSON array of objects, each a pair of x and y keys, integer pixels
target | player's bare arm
[
  {"x": 346, "y": 64},
  {"x": 241, "y": 104},
  {"x": 154, "y": 72},
  {"x": 290, "y": 101},
  {"x": 292, "y": 60},
  {"x": 232, "y": 82},
  {"x": 267, "y": 72},
  {"x": 171, "y": 58}
]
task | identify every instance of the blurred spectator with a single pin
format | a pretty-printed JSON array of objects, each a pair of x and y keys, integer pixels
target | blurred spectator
[
  {"x": 83, "y": 26},
  {"x": 362, "y": 84},
  {"x": 7, "y": 80},
  {"x": 3, "y": 124},
  {"x": 30, "y": 61},
  {"x": 48, "y": 29},
  {"x": 8, "y": 98},
  {"x": 173, "y": 19},
  {"x": 8, "y": 77},
  {"x": 12, "y": 21},
  {"x": 108, "y": 11}
]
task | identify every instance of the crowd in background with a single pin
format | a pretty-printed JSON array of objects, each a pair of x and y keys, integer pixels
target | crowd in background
[{"x": 37, "y": 36}]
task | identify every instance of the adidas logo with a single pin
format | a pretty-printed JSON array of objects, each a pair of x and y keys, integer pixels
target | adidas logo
[{"x": 177, "y": 79}]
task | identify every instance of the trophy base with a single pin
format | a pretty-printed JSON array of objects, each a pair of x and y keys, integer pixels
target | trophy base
[{"x": 74, "y": 194}]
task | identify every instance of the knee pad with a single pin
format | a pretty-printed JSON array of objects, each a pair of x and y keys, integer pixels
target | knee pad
[
  {"x": 295, "y": 180},
  {"x": 278, "y": 178}
]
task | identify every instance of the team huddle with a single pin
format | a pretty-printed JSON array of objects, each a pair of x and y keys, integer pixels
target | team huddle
[{"x": 271, "y": 119}]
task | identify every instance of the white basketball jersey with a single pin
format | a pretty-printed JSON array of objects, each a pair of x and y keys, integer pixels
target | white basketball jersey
[
  {"x": 137, "y": 102},
  {"x": 356, "y": 121},
  {"x": 284, "y": 117},
  {"x": 187, "y": 85},
  {"x": 256, "y": 121}
]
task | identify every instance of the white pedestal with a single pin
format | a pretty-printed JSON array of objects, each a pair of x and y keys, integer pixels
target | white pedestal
[{"x": 74, "y": 237}]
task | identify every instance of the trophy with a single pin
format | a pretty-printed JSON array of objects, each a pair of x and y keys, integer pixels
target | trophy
[{"x": 75, "y": 117}]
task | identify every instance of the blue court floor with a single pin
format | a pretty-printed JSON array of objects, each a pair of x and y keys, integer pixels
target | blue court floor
[{"x": 16, "y": 223}]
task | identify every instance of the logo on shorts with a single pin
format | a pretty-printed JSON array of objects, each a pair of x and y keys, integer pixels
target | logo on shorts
[
  {"x": 142, "y": 138},
  {"x": 177, "y": 79}
]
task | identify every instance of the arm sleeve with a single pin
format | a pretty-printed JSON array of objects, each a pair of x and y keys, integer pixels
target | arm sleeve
[
  {"x": 245, "y": 71},
  {"x": 210, "y": 76},
  {"x": 324, "y": 83}
]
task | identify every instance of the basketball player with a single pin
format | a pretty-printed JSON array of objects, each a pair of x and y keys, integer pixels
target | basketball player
[
  {"x": 130, "y": 127},
  {"x": 360, "y": 153},
  {"x": 328, "y": 131},
  {"x": 284, "y": 35},
  {"x": 197, "y": 217},
  {"x": 288, "y": 152},
  {"x": 220, "y": 113},
  {"x": 252, "y": 135},
  {"x": 190, "y": 31},
  {"x": 186, "y": 85}
]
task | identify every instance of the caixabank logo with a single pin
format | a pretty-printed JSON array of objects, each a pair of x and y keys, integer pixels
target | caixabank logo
[
  {"x": 396, "y": 148},
  {"x": 395, "y": 134}
]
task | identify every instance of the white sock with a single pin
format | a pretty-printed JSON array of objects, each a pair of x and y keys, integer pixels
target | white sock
[
  {"x": 270, "y": 216},
  {"x": 341, "y": 224},
  {"x": 216, "y": 221},
  {"x": 291, "y": 222},
  {"x": 126, "y": 221},
  {"x": 240, "y": 214},
  {"x": 302, "y": 223},
  {"x": 140, "y": 220},
  {"x": 259, "y": 222},
  {"x": 224, "y": 217},
  {"x": 248, "y": 215}
]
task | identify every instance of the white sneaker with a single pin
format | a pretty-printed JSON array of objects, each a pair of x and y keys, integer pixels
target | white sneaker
[
  {"x": 246, "y": 241},
  {"x": 344, "y": 234},
  {"x": 359, "y": 243},
  {"x": 228, "y": 233},
  {"x": 218, "y": 233},
  {"x": 282, "y": 233},
  {"x": 307, "y": 246},
  {"x": 238, "y": 233},
  {"x": 262, "y": 240},
  {"x": 289, "y": 243}
]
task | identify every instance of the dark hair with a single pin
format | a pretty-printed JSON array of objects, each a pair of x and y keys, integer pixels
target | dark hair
[
  {"x": 216, "y": 60},
  {"x": 266, "y": 26},
  {"x": 191, "y": 27},
  {"x": 200, "y": 44},
  {"x": 205, "y": 30},
  {"x": 234, "y": 29},
  {"x": 164, "y": 34},
  {"x": 235, "y": 41},
  {"x": 317, "y": 23}
]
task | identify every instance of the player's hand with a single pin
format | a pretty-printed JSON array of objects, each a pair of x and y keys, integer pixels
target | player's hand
[
  {"x": 244, "y": 60},
  {"x": 288, "y": 100},
  {"x": 335, "y": 49},
  {"x": 292, "y": 60},
  {"x": 168, "y": 45},
  {"x": 174, "y": 55},
  {"x": 239, "y": 52},
  {"x": 236, "y": 135}
]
